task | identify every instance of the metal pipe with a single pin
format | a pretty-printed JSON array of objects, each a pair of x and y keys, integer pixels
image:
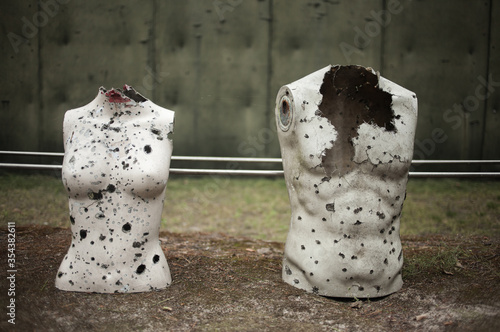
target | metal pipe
[
  {"x": 29, "y": 166},
  {"x": 190, "y": 171},
  {"x": 252, "y": 160},
  {"x": 229, "y": 159},
  {"x": 454, "y": 174},
  {"x": 224, "y": 172},
  {"x": 455, "y": 162},
  {"x": 33, "y": 153}
]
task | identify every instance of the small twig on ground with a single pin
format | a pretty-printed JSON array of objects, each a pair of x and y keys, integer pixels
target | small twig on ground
[{"x": 163, "y": 301}]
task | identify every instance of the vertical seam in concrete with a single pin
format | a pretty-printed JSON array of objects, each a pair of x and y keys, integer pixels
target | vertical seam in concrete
[
  {"x": 488, "y": 54},
  {"x": 382, "y": 40},
  {"x": 40, "y": 114},
  {"x": 152, "y": 50},
  {"x": 197, "y": 86},
  {"x": 269, "y": 68}
]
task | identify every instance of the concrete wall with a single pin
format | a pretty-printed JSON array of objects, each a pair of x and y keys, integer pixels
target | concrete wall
[{"x": 219, "y": 65}]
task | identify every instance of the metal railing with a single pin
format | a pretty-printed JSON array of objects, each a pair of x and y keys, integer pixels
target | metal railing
[{"x": 249, "y": 172}]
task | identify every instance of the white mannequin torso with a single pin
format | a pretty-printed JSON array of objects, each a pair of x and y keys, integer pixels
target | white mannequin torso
[{"x": 115, "y": 169}]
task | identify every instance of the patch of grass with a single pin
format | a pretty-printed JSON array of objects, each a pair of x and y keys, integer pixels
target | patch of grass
[
  {"x": 33, "y": 199},
  {"x": 450, "y": 207},
  {"x": 259, "y": 207},
  {"x": 438, "y": 261},
  {"x": 253, "y": 207}
]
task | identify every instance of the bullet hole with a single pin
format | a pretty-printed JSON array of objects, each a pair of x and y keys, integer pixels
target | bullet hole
[
  {"x": 358, "y": 210},
  {"x": 60, "y": 274},
  {"x": 83, "y": 234},
  {"x": 318, "y": 242},
  {"x": 397, "y": 198},
  {"x": 147, "y": 149},
  {"x": 344, "y": 270},
  {"x": 100, "y": 216},
  {"x": 341, "y": 222},
  {"x": 313, "y": 230},
  {"x": 354, "y": 257},
  {"x": 324, "y": 219},
  {"x": 316, "y": 262},
  {"x": 357, "y": 223},
  {"x": 118, "y": 283},
  {"x": 315, "y": 290},
  {"x": 95, "y": 195},
  {"x": 126, "y": 228},
  {"x": 335, "y": 241},
  {"x": 302, "y": 247},
  {"x": 341, "y": 255},
  {"x": 287, "y": 270},
  {"x": 140, "y": 269},
  {"x": 86, "y": 210},
  {"x": 92, "y": 259},
  {"x": 156, "y": 259},
  {"x": 157, "y": 132},
  {"x": 296, "y": 281},
  {"x": 371, "y": 271},
  {"x": 330, "y": 207},
  {"x": 380, "y": 215},
  {"x": 306, "y": 136},
  {"x": 377, "y": 288},
  {"x": 311, "y": 274},
  {"x": 386, "y": 262},
  {"x": 136, "y": 244},
  {"x": 102, "y": 237},
  {"x": 111, "y": 188},
  {"x": 382, "y": 231},
  {"x": 104, "y": 266},
  {"x": 71, "y": 283},
  {"x": 72, "y": 220},
  {"x": 299, "y": 218}
]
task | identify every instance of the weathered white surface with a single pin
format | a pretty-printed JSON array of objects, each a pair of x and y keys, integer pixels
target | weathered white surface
[
  {"x": 115, "y": 169},
  {"x": 346, "y": 139}
]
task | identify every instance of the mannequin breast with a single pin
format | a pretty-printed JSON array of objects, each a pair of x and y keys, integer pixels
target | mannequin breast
[{"x": 130, "y": 156}]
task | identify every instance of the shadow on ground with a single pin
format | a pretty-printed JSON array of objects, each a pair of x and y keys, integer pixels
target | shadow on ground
[{"x": 223, "y": 283}]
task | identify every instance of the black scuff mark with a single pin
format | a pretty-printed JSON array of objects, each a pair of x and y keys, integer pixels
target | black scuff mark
[{"x": 351, "y": 97}]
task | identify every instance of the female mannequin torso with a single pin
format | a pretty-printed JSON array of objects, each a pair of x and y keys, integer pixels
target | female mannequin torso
[{"x": 115, "y": 169}]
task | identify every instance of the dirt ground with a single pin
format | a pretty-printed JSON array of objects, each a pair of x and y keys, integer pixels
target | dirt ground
[{"x": 223, "y": 283}]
